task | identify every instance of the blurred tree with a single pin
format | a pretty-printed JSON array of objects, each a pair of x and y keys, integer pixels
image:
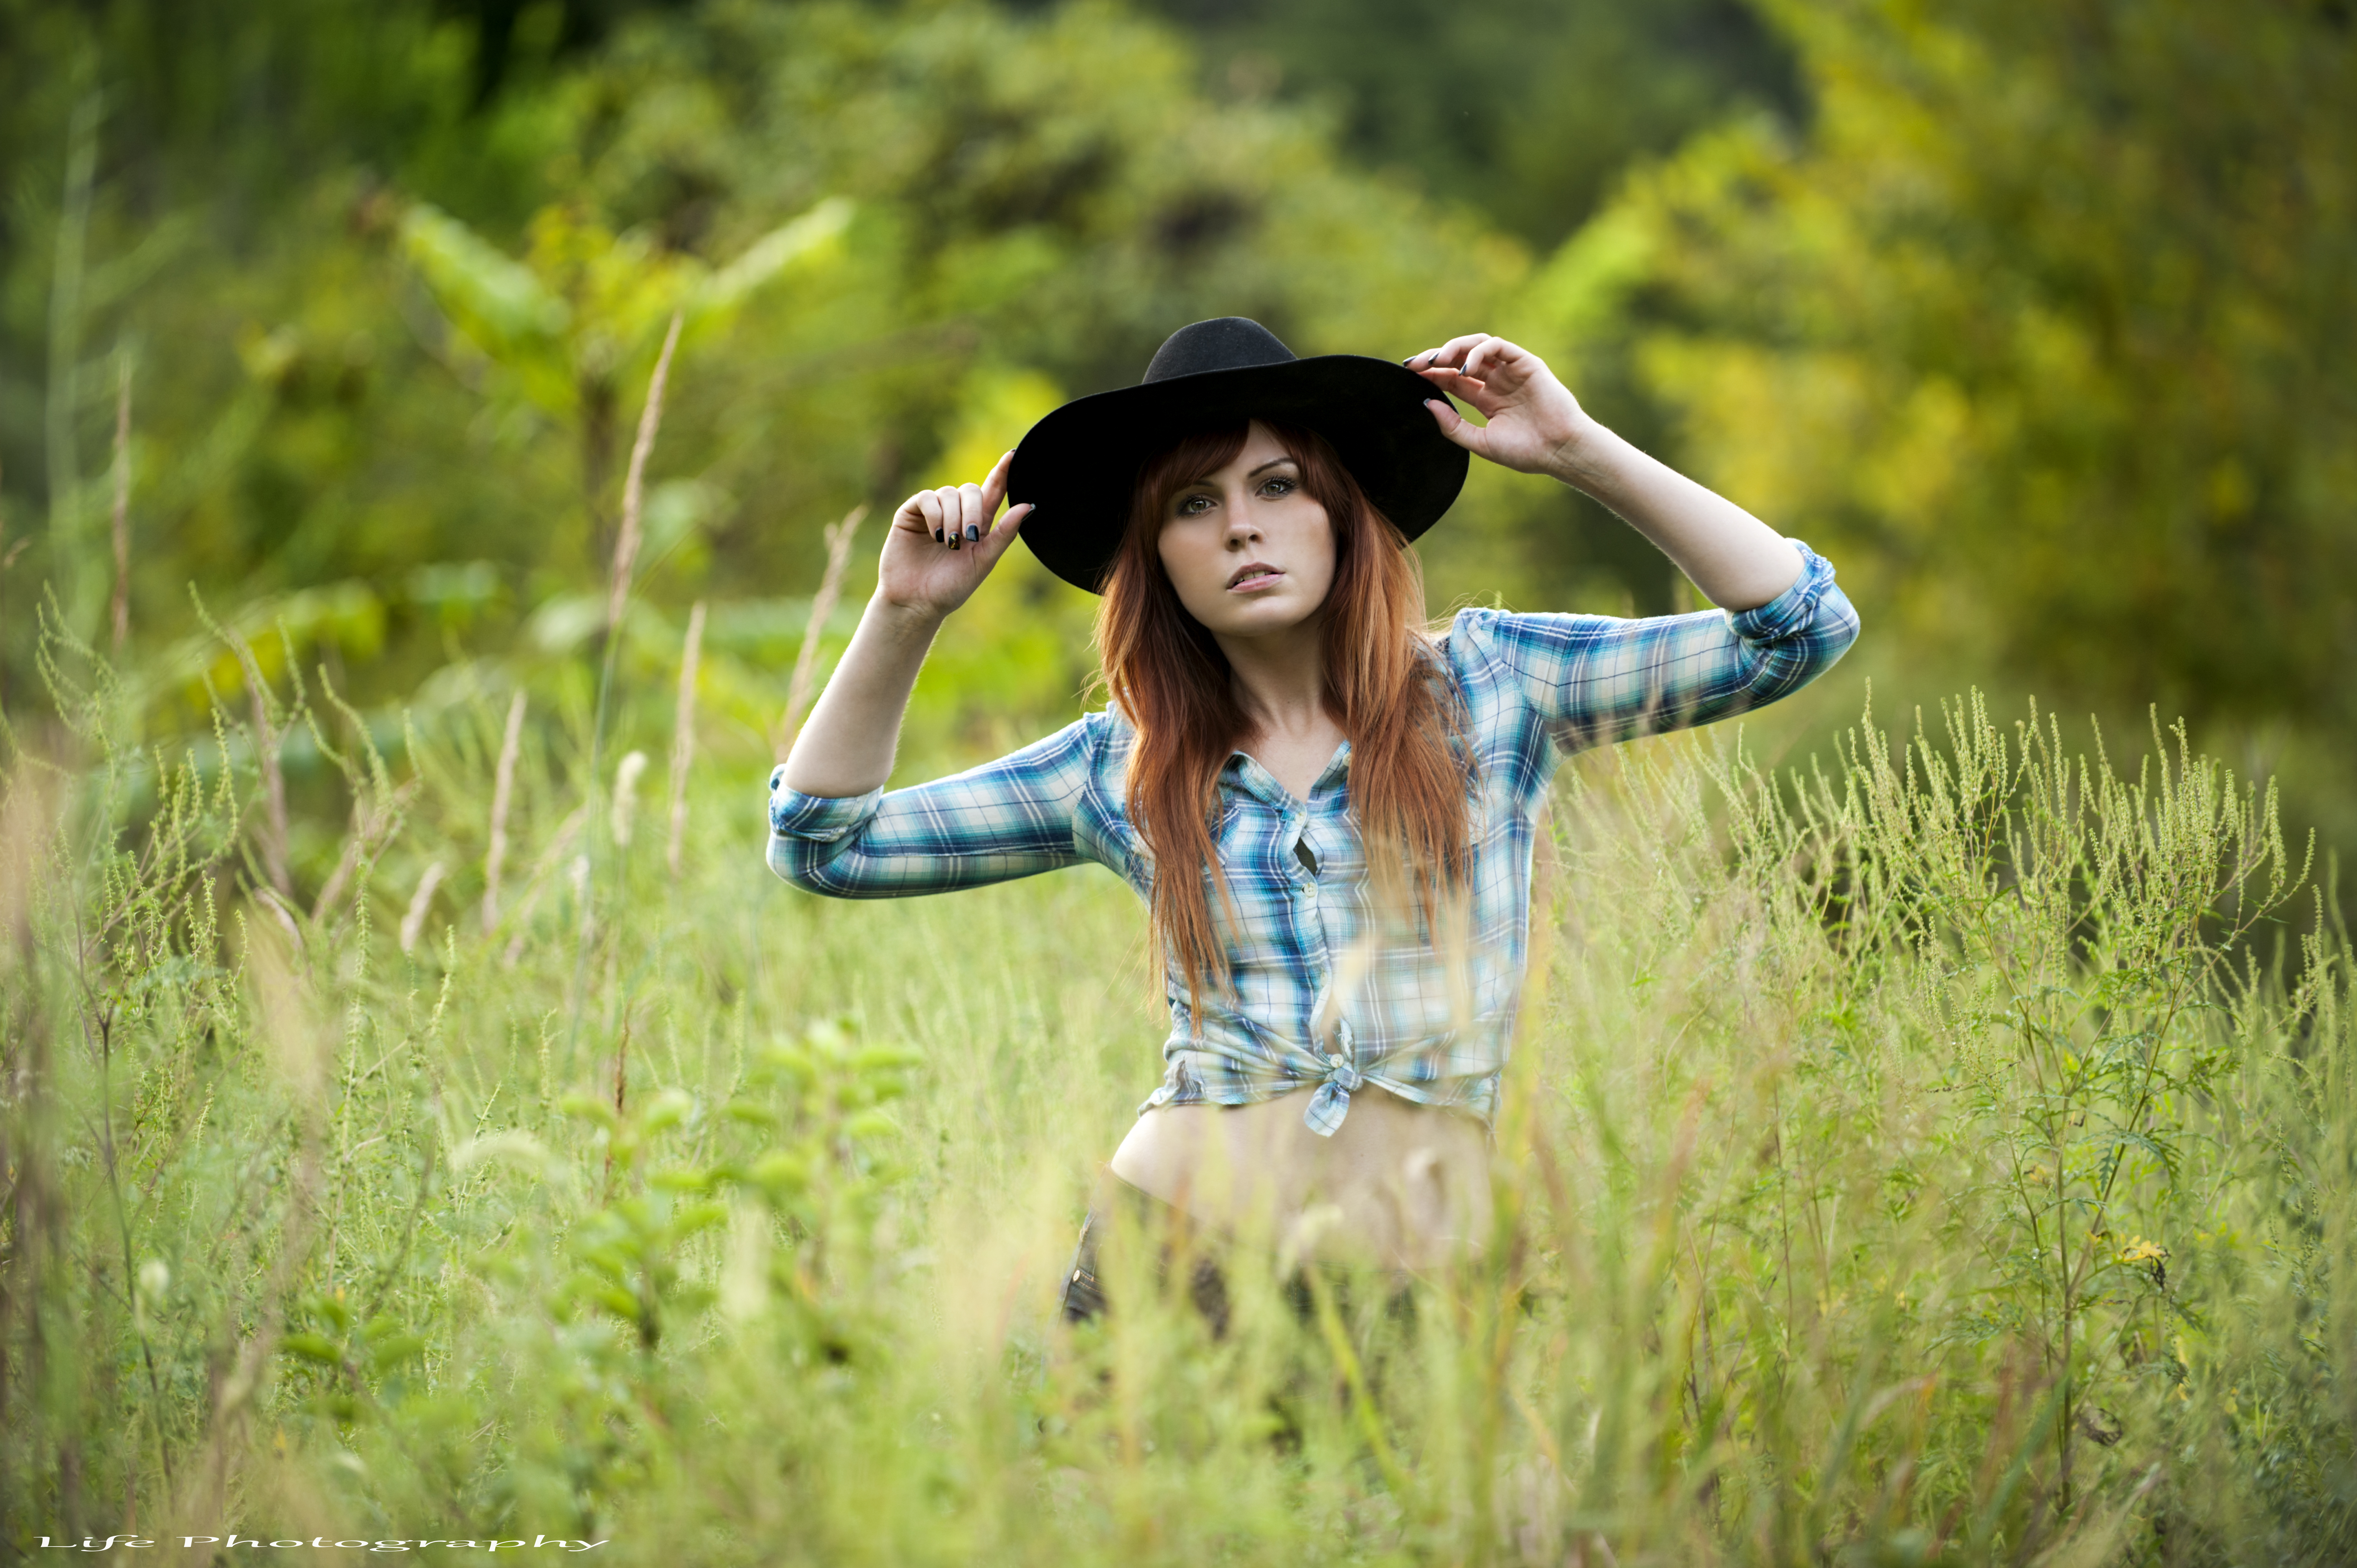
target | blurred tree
[
  {"x": 339, "y": 387},
  {"x": 2045, "y": 324},
  {"x": 1526, "y": 110},
  {"x": 167, "y": 163},
  {"x": 562, "y": 330},
  {"x": 2050, "y": 313},
  {"x": 1521, "y": 113},
  {"x": 557, "y": 27}
]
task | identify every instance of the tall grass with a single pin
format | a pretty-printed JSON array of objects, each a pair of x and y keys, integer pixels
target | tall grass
[{"x": 1944, "y": 1154}]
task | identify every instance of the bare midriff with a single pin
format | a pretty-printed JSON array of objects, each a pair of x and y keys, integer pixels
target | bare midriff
[{"x": 1399, "y": 1184}]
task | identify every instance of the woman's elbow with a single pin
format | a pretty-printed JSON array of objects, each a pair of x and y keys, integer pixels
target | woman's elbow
[
  {"x": 794, "y": 860},
  {"x": 1839, "y": 623}
]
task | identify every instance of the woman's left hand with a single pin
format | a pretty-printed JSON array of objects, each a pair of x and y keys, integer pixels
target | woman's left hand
[{"x": 1534, "y": 423}]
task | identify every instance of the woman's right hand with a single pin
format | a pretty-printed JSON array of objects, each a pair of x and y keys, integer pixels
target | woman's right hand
[
  {"x": 846, "y": 746},
  {"x": 943, "y": 542}
]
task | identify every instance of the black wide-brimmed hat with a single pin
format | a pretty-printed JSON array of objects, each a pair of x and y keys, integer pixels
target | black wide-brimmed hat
[{"x": 1079, "y": 465}]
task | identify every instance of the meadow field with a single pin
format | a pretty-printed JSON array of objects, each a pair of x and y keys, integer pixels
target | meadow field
[
  {"x": 427, "y": 1125},
  {"x": 1941, "y": 1151}
]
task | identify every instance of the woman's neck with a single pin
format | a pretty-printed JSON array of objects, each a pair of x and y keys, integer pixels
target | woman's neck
[
  {"x": 1280, "y": 683},
  {"x": 1280, "y": 679}
]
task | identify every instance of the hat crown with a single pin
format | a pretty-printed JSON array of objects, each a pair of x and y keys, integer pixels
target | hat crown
[
  {"x": 1080, "y": 464},
  {"x": 1222, "y": 343}
]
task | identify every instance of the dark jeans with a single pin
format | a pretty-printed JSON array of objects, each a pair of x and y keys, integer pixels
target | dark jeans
[
  {"x": 1083, "y": 1298},
  {"x": 1118, "y": 1203}
]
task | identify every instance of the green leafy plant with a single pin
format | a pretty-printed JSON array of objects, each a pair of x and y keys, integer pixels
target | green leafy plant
[{"x": 1933, "y": 1155}]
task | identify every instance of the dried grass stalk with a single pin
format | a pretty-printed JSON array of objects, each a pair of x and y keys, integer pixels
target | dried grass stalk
[
  {"x": 372, "y": 824},
  {"x": 683, "y": 736},
  {"x": 8, "y": 559},
  {"x": 413, "y": 924},
  {"x": 798, "y": 695},
  {"x": 559, "y": 843},
  {"x": 626, "y": 795},
  {"x": 301, "y": 1047},
  {"x": 266, "y": 740},
  {"x": 122, "y": 500},
  {"x": 282, "y": 911},
  {"x": 28, "y": 820},
  {"x": 502, "y": 791},
  {"x": 626, "y": 543},
  {"x": 64, "y": 400}
]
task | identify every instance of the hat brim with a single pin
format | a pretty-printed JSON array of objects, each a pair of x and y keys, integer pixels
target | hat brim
[{"x": 1079, "y": 465}]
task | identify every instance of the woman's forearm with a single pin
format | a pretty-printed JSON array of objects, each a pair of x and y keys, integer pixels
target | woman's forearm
[
  {"x": 942, "y": 544},
  {"x": 846, "y": 746},
  {"x": 1738, "y": 561},
  {"x": 1535, "y": 425}
]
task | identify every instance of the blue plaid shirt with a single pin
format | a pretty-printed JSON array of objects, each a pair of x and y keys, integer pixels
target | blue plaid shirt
[{"x": 1328, "y": 988}]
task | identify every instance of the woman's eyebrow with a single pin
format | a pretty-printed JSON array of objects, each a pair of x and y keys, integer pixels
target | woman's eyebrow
[{"x": 1211, "y": 482}]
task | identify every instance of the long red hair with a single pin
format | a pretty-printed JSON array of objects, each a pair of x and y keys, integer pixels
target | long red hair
[{"x": 1410, "y": 771}]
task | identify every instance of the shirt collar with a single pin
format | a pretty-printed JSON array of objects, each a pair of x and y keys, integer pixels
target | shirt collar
[{"x": 1245, "y": 773}]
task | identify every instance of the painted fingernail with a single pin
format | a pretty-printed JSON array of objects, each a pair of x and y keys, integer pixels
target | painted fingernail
[
  {"x": 973, "y": 531},
  {"x": 938, "y": 536},
  {"x": 955, "y": 541}
]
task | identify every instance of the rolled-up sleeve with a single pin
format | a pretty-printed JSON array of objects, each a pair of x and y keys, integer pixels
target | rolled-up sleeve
[
  {"x": 1595, "y": 680},
  {"x": 1011, "y": 818}
]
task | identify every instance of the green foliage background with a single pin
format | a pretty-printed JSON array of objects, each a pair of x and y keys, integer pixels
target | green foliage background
[
  {"x": 2032, "y": 316},
  {"x": 2029, "y": 313}
]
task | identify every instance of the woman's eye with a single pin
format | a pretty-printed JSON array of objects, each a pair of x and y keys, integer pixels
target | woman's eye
[
  {"x": 1194, "y": 506},
  {"x": 1280, "y": 485}
]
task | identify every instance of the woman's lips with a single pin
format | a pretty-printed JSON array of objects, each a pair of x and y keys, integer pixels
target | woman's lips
[{"x": 1254, "y": 577}]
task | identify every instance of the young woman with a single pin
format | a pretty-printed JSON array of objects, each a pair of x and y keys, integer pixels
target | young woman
[{"x": 1328, "y": 810}]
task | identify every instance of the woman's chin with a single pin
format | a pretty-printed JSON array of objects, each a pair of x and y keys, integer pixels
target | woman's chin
[{"x": 1270, "y": 616}]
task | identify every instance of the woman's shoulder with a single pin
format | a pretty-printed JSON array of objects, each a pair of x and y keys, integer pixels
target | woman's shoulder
[
  {"x": 1471, "y": 626},
  {"x": 1494, "y": 656},
  {"x": 1473, "y": 640},
  {"x": 1089, "y": 743},
  {"x": 1103, "y": 807},
  {"x": 1482, "y": 636},
  {"x": 1106, "y": 726},
  {"x": 1104, "y": 737}
]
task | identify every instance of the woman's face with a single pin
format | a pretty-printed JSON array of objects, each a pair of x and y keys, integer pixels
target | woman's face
[{"x": 1247, "y": 549}]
